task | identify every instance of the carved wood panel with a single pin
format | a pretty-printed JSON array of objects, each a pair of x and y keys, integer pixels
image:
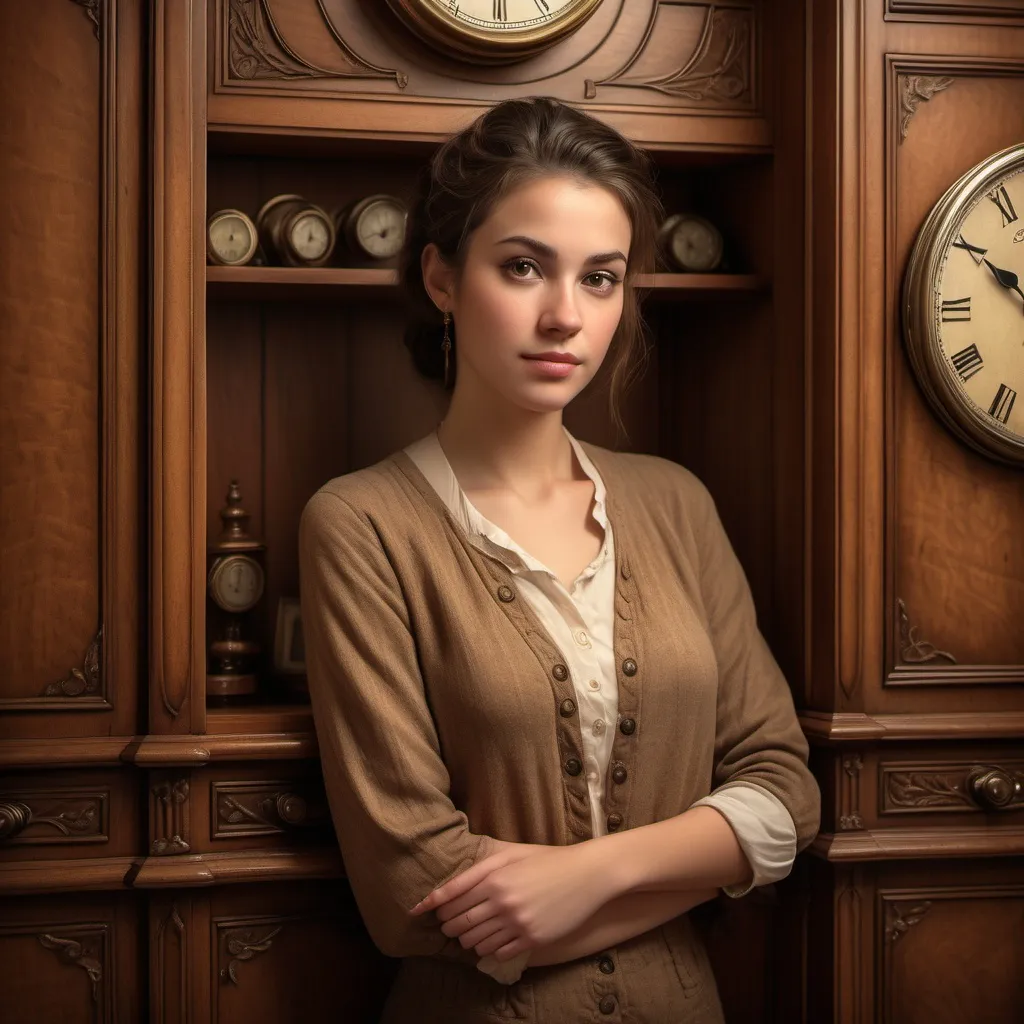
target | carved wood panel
[
  {"x": 68, "y": 388},
  {"x": 658, "y": 57},
  {"x": 956, "y": 10},
  {"x": 72, "y": 960},
  {"x": 291, "y": 952},
  {"x": 955, "y": 586},
  {"x": 950, "y": 954}
]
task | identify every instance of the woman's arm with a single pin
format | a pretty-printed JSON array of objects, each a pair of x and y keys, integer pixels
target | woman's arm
[{"x": 618, "y": 920}]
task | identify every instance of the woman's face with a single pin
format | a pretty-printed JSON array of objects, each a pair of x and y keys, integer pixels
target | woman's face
[{"x": 543, "y": 274}]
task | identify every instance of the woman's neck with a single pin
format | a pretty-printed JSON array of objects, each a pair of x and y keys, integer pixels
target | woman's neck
[{"x": 525, "y": 453}]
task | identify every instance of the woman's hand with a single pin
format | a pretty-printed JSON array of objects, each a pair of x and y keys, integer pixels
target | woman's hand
[{"x": 519, "y": 897}]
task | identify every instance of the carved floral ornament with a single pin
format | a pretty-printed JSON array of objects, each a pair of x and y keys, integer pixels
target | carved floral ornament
[
  {"x": 914, "y": 89},
  {"x": 912, "y": 649},
  {"x": 719, "y": 69},
  {"x": 94, "y": 12},
  {"x": 244, "y": 944}
]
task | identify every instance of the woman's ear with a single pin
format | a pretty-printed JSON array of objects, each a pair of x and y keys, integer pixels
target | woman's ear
[{"x": 438, "y": 277}]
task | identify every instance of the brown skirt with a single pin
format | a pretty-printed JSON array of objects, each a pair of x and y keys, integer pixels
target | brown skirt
[{"x": 660, "y": 977}]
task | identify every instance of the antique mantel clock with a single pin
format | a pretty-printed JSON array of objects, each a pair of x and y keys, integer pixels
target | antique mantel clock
[
  {"x": 963, "y": 307},
  {"x": 493, "y": 31}
]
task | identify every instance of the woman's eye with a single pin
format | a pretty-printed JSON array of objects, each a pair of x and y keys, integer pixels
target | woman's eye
[
  {"x": 601, "y": 280},
  {"x": 520, "y": 267}
]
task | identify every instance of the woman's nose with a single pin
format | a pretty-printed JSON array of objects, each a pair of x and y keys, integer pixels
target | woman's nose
[{"x": 561, "y": 311}]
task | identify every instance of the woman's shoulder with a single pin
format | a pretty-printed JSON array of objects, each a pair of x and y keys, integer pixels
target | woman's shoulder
[
  {"x": 371, "y": 495},
  {"x": 639, "y": 477}
]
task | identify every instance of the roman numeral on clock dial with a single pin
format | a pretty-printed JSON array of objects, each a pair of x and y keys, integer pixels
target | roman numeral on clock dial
[
  {"x": 1002, "y": 404},
  {"x": 1002, "y": 199},
  {"x": 500, "y": 10},
  {"x": 954, "y": 310},
  {"x": 967, "y": 362},
  {"x": 975, "y": 253}
]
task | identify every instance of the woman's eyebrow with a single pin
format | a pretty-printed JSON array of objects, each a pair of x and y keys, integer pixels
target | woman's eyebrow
[{"x": 545, "y": 250}]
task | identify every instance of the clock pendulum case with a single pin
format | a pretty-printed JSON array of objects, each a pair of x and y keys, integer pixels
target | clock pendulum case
[
  {"x": 235, "y": 585},
  {"x": 963, "y": 307}
]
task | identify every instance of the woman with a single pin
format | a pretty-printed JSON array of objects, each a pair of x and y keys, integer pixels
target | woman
[{"x": 549, "y": 725}]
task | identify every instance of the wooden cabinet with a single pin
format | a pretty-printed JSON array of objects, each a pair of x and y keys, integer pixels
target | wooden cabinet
[{"x": 170, "y": 858}]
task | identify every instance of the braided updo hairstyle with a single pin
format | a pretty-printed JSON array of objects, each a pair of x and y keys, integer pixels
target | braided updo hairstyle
[{"x": 514, "y": 142}]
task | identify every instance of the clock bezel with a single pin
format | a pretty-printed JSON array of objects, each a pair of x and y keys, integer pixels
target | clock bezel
[
  {"x": 922, "y": 304},
  {"x": 220, "y": 566},
  {"x": 481, "y": 46}
]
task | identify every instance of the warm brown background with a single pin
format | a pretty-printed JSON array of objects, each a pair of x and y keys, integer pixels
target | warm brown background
[{"x": 163, "y": 860}]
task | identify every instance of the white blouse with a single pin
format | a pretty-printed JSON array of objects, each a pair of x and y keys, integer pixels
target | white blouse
[{"x": 580, "y": 621}]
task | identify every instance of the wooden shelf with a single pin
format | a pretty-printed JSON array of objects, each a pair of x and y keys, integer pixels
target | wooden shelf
[{"x": 264, "y": 284}]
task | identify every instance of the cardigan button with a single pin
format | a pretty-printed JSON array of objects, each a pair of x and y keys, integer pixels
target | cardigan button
[
  {"x": 606, "y": 965},
  {"x": 573, "y": 766},
  {"x": 567, "y": 708},
  {"x": 560, "y": 672},
  {"x": 625, "y": 571},
  {"x": 629, "y": 667},
  {"x": 614, "y": 821},
  {"x": 619, "y": 773},
  {"x": 627, "y": 727},
  {"x": 506, "y": 594},
  {"x": 607, "y": 1004}
]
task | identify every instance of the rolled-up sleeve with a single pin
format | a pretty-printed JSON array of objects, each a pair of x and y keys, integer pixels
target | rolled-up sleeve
[{"x": 388, "y": 788}]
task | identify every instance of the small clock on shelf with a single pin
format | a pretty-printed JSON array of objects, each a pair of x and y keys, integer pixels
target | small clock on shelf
[
  {"x": 231, "y": 238},
  {"x": 295, "y": 232},
  {"x": 691, "y": 243},
  {"x": 963, "y": 307},
  {"x": 235, "y": 584},
  {"x": 493, "y": 31},
  {"x": 373, "y": 228}
]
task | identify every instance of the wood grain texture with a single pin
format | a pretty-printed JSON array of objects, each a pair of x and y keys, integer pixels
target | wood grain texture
[
  {"x": 177, "y": 693},
  {"x": 69, "y": 398}
]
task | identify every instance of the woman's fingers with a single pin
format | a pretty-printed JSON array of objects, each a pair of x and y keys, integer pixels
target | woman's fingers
[{"x": 497, "y": 941}]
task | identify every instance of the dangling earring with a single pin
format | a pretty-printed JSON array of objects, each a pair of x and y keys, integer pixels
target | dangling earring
[{"x": 446, "y": 344}]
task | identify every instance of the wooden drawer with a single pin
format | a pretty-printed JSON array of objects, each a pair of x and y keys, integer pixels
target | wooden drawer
[
  {"x": 237, "y": 807},
  {"x": 68, "y": 814}
]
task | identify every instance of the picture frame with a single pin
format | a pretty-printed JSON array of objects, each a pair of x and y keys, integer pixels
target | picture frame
[{"x": 289, "y": 643}]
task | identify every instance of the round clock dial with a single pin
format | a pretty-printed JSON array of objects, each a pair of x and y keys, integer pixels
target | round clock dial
[
  {"x": 374, "y": 227},
  {"x": 230, "y": 238},
  {"x": 236, "y": 582},
  {"x": 693, "y": 243},
  {"x": 310, "y": 236},
  {"x": 494, "y": 31},
  {"x": 964, "y": 307}
]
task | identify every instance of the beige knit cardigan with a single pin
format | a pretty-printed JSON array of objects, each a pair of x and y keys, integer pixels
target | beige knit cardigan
[{"x": 444, "y": 712}]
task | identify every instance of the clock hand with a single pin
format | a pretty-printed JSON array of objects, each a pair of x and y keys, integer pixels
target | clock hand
[{"x": 1007, "y": 278}]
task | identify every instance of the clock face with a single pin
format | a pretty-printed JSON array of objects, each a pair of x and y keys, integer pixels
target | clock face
[
  {"x": 236, "y": 583},
  {"x": 231, "y": 238},
  {"x": 696, "y": 244},
  {"x": 310, "y": 236},
  {"x": 494, "y": 30},
  {"x": 964, "y": 310},
  {"x": 380, "y": 229},
  {"x": 979, "y": 306}
]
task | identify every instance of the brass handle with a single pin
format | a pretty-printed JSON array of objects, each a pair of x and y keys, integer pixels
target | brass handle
[
  {"x": 14, "y": 818},
  {"x": 291, "y": 808},
  {"x": 993, "y": 788}
]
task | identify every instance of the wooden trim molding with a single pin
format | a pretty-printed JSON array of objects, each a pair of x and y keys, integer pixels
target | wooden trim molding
[
  {"x": 910, "y": 658},
  {"x": 243, "y": 866},
  {"x": 919, "y": 844},
  {"x": 845, "y": 727},
  {"x": 178, "y": 499},
  {"x": 158, "y": 751}
]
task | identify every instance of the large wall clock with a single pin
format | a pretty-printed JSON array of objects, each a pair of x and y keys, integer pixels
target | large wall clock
[
  {"x": 493, "y": 31},
  {"x": 963, "y": 307}
]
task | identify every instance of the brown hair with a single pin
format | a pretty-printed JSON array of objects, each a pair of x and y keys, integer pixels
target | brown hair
[{"x": 516, "y": 141}]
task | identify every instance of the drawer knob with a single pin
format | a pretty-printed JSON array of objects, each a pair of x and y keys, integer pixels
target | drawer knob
[
  {"x": 993, "y": 788},
  {"x": 14, "y": 818},
  {"x": 291, "y": 808}
]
